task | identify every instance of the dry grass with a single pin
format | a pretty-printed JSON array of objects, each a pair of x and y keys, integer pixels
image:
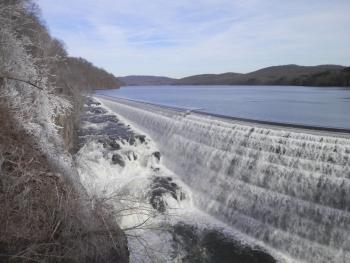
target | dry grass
[{"x": 42, "y": 218}]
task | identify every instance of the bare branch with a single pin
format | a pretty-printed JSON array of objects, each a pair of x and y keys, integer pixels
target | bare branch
[
  {"x": 21, "y": 80},
  {"x": 136, "y": 226}
]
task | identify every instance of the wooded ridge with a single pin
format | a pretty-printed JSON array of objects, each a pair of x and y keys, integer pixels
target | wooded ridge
[{"x": 294, "y": 75}]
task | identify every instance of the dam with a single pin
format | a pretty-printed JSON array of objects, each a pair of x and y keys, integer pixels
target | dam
[{"x": 285, "y": 187}]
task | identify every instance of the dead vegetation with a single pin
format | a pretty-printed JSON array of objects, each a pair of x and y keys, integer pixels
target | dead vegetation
[
  {"x": 43, "y": 219},
  {"x": 44, "y": 216}
]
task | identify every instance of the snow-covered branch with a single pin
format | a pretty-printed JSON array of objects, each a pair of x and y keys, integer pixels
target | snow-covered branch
[{"x": 21, "y": 80}]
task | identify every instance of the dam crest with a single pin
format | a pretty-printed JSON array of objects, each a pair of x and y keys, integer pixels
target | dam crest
[{"x": 288, "y": 188}]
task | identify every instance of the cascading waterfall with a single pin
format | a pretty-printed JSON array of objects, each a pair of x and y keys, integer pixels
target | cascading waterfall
[{"x": 288, "y": 188}]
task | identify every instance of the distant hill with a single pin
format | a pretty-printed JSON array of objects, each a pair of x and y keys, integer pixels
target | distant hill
[
  {"x": 146, "y": 80},
  {"x": 209, "y": 79},
  {"x": 323, "y": 75}
]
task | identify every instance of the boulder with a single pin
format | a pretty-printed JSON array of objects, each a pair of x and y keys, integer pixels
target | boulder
[
  {"x": 157, "y": 155},
  {"x": 118, "y": 159},
  {"x": 141, "y": 138},
  {"x": 110, "y": 143}
]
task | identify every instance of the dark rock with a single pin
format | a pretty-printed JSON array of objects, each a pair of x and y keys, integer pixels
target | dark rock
[
  {"x": 222, "y": 249},
  {"x": 118, "y": 159},
  {"x": 131, "y": 155},
  {"x": 111, "y": 128},
  {"x": 141, "y": 138},
  {"x": 159, "y": 187},
  {"x": 158, "y": 203},
  {"x": 157, "y": 155},
  {"x": 132, "y": 140},
  {"x": 182, "y": 196},
  {"x": 110, "y": 143},
  {"x": 210, "y": 245},
  {"x": 114, "y": 145},
  {"x": 100, "y": 118},
  {"x": 97, "y": 110}
]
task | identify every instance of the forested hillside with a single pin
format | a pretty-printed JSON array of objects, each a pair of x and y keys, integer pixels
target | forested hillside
[
  {"x": 294, "y": 75},
  {"x": 82, "y": 73},
  {"x": 146, "y": 80},
  {"x": 44, "y": 214}
]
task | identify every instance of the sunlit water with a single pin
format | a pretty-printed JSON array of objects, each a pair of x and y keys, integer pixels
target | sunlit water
[{"x": 316, "y": 106}]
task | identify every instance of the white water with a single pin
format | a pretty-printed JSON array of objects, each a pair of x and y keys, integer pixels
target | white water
[
  {"x": 126, "y": 190},
  {"x": 287, "y": 189}
]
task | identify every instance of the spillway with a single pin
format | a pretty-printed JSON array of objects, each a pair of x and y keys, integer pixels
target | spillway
[{"x": 287, "y": 188}]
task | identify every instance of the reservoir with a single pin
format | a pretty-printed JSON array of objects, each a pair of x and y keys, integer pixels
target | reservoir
[{"x": 312, "y": 106}]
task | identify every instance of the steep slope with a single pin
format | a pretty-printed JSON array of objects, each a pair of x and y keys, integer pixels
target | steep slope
[
  {"x": 83, "y": 73},
  {"x": 45, "y": 213}
]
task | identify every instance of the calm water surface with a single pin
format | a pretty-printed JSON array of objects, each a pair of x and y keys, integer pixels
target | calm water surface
[{"x": 326, "y": 107}]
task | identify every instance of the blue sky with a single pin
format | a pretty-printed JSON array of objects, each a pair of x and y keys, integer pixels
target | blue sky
[{"x": 184, "y": 37}]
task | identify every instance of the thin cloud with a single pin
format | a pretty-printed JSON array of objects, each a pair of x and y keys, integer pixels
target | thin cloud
[{"x": 179, "y": 38}]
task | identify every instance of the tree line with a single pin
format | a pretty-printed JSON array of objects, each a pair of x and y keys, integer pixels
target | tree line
[{"x": 39, "y": 81}]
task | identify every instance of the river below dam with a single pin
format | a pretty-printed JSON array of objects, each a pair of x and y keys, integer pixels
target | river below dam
[{"x": 192, "y": 187}]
